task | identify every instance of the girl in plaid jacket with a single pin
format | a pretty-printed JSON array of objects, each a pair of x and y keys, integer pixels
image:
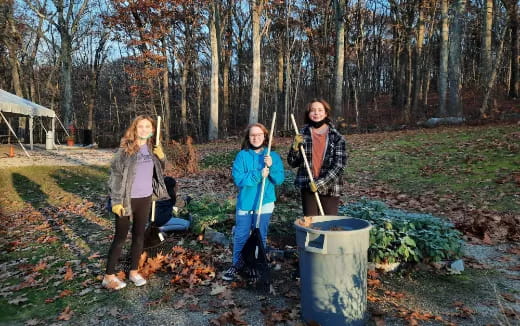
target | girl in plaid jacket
[{"x": 326, "y": 152}]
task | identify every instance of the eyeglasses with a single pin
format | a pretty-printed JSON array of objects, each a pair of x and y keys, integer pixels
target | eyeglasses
[{"x": 256, "y": 135}]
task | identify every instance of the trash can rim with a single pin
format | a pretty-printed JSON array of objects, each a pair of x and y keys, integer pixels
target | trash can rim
[{"x": 336, "y": 232}]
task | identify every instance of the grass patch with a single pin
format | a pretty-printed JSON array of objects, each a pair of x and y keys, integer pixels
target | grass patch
[
  {"x": 479, "y": 165},
  {"x": 53, "y": 222}
]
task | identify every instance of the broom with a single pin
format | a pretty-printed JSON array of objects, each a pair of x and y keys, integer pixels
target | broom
[
  {"x": 153, "y": 236},
  {"x": 306, "y": 162},
  {"x": 253, "y": 260}
]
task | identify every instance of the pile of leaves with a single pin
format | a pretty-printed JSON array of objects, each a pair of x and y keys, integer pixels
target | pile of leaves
[
  {"x": 183, "y": 157},
  {"x": 400, "y": 236},
  {"x": 187, "y": 267},
  {"x": 207, "y": 212}
]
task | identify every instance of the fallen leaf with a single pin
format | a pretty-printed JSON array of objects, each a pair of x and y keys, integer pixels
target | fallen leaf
[
  {"x": 487, "y": 239},
  {"x": 217, "y": 289},
  {"x": 94, "y": 255},
  {"x": 66, "y": 314},
  {"x": 65, "y": 293},
  {"x": 509, "y": 297},
  {"x": 69, "y": 275},
  {"x": 114, "y": 312},
  {"x": 179, "y": 304},
  {"x": 39, "y": 267}
]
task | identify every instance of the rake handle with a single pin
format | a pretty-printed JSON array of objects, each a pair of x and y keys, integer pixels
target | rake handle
[
  {"x": 157, "y": 140},
  {"x": 306, "y": 162},
  {"x": 264, "y": 178}
]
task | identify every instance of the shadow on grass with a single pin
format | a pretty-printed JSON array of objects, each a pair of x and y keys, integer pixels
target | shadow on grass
[
  {"x": 84, "y": 184},
  {"x": 29, "y": 191},
  {"x": 78, "y": 233}
]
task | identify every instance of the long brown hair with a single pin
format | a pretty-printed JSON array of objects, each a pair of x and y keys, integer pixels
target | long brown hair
[
  {"x": 245, "y": 142},
  {"x": 326, "y": 105},
  {"x": 129, "y": 142}
]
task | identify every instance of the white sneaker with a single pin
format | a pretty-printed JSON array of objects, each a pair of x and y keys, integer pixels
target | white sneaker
[
  {"x": 138, "y": 280},
  {"x": 114, "y": 283}
]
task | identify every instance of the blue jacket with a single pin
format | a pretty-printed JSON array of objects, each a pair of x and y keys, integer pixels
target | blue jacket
[{"x": 247, "y": 175}]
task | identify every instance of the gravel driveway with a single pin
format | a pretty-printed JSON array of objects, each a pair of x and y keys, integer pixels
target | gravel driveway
[{"x": 63, "y": 156}]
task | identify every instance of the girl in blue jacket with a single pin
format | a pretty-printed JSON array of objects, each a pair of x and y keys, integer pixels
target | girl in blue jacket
[{"x": 251, "y": 165}]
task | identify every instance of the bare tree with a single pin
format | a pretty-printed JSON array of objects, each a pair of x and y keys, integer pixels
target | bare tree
[
  {"x": 485, "y": 54},
  {"x": 513, "y": 10},
  {"x": 12, "y": 41},
  {"x": 444, "y": 54},
  {"x": 257, "y": 7},
  {"x": 339, "y": 6},
  {"x": 213, "y": 120},
  {"x": 455, "y": 59},
  {"x": 68, "y": 16}
]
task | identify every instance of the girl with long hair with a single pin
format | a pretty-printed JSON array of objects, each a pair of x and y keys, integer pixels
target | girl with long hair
[{"x": 136, "y": 178}]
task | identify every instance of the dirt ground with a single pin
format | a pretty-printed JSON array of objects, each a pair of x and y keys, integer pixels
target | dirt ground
[
  {"x": 486, "y": 293},
  {"x": 63, "y": 156}
]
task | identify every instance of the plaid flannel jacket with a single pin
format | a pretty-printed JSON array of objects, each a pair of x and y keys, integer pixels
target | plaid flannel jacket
[{"x": 330, "y": 179}]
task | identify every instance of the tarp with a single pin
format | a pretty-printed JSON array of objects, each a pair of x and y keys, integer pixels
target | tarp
[{"x": 11, "y": 103}]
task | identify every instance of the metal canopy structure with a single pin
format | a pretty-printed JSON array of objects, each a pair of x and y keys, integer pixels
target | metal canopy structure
[{"x": 11, "y": 104}]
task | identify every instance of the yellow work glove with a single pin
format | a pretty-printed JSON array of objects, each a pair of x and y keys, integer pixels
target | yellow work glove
[
  {"x": 157, "y": 150},
  {"x": 313, "y": 186},
  {"x": 297, "y": 142},
  {"x": 118, "y": 209}
]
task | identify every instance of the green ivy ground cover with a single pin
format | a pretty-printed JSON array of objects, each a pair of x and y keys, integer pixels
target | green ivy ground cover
[{"x": 401, "y": 236}]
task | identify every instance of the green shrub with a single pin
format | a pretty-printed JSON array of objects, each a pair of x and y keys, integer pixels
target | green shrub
[
  {"x": 218, "y": 160},
  {"x": 207, "y": 212},
  {"x": 400, "y": 236}
]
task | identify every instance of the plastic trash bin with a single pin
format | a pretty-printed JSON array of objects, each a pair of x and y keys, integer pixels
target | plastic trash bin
[
  {"x": 333, "y": 270},
  {"x": 49, "y": 140}
]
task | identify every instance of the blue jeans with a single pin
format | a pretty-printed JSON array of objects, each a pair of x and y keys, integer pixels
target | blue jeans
[{"x": 245, "y": 222}]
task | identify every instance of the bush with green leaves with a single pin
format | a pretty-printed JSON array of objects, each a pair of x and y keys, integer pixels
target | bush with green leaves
[
  {"x": 218, "y": 160},
  {"x": 400, "y": 236},
  {"x": 207, "y": 212}
]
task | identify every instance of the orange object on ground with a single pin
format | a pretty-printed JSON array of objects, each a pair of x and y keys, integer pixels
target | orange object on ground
[{"x": 11, "y": 151}]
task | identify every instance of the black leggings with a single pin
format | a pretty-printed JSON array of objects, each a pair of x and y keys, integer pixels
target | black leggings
[
  {"x": 310, "y": 207},
  {"x": 140, "y": 212}
]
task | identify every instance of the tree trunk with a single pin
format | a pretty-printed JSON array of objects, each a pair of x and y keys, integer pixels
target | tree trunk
[
  {"x": 184, "y": 97},
  {"x": 228, "y": 52},
  {"x": 514, "y": 22},
  {"x": 485, "y": 54},
  {"x": 12, "y": 41},
  {"x": 66, "y": 80},
  {"x": 455, "y": 61},
  {"x": 418, "y": 71},
  {"x": 166, "y": 94},
  {"x": 257, "y": 8},
  {"x": 339, "y": 6},
  {"x": 67, "y": 25},
  {"x": 213, "y": 120},
  {"x": 279, "y": 100},
  {"x": 443, "y": 65},
  {"x": 491, "y": 79}
]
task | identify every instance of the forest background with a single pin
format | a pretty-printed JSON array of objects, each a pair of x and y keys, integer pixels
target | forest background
[{"x": 211, "y": 67}]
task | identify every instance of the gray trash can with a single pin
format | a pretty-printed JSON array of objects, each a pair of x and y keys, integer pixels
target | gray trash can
[
  {"x": 49, "y": 140},
  {"x": 333, "y": 270}
]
